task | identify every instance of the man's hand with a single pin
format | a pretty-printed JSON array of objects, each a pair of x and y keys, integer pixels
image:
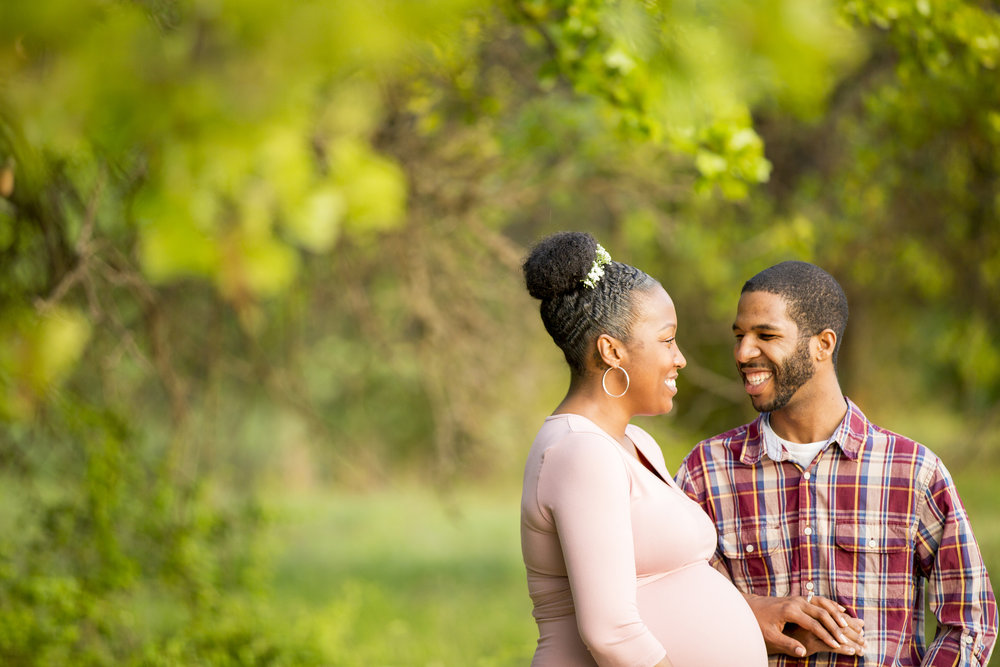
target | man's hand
[
  {"x": 854, "y": 646},
  {"x": 854, "y": 631},
  {"x": 813, "y": 626}
]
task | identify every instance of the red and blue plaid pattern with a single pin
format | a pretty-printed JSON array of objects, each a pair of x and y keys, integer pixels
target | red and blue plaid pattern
[{"x": 873, "y": 518}]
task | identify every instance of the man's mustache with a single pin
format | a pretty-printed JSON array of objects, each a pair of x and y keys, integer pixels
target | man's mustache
[{"x": 756, "y": 367}]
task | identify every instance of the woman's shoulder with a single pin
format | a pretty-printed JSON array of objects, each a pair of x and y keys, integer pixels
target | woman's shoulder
[
  {"x": 572, "y": 453},
  {"x": 576, "y": 436}
]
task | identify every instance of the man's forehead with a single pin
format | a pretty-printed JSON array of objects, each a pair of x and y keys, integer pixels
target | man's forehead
[{"x": 762, "y": 310}]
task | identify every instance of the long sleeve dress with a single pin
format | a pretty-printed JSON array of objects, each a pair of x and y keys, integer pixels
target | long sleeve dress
[{"x": 617, "y": 559}]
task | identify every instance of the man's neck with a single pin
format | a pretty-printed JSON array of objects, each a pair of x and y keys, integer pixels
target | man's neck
[{"x": 813, "y": 414}]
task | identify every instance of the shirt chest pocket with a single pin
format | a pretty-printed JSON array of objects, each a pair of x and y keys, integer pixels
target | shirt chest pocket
[
  {"x": 757, "y": 558},
  {"x": 879, "y": 556}
]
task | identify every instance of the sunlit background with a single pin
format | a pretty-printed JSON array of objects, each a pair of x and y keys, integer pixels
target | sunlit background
[{"x": 268, "y": 372}]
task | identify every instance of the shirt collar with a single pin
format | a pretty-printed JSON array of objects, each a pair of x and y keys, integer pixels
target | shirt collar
[
  {"x": 772, "y": 448},
  {"x": 851, "y": 435}
]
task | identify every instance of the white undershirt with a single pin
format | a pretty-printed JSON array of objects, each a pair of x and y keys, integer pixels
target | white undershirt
[{"x": 777, "y": 447}]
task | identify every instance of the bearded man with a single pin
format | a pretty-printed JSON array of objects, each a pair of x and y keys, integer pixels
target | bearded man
[{"x": 812, "y": 501}]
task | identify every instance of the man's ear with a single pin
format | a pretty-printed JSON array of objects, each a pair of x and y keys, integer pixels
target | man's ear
[
  {"x": 611, "y": 350},
  {"x": 826, "y": 343}
]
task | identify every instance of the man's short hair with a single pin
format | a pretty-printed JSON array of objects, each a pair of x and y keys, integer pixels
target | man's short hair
[{"x": 814, "y": 298}]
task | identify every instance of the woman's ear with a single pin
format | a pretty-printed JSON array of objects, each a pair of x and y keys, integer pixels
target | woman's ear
[
  {"x": 611, "y": 350},
  {"x": 826, "y": 343}
]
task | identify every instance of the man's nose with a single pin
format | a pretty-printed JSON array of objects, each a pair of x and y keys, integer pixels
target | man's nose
[{"x": 745, "y": 350}]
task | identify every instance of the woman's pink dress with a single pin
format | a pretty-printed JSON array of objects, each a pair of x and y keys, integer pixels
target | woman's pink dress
[{"x": 617, "y": 559}]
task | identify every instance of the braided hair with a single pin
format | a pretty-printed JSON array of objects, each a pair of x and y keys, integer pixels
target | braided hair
[{"x": 573, "y": 313}]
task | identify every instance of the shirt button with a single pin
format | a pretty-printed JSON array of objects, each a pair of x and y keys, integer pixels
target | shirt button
[
  {"x": 809, "y": 586},
  {"x": 806, "y": 476},
  {"x": 808, "y": 530},
  {"x": 749, "y": 548},
  {"x": 967, "y": 639},
  {"x": 873, "y": 543}
]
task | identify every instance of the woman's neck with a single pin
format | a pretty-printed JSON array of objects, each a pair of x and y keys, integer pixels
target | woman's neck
[{"x": 598, "y": 408}]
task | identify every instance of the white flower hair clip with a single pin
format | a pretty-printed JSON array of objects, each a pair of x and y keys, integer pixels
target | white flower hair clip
[{"x": 601, "y": 259}]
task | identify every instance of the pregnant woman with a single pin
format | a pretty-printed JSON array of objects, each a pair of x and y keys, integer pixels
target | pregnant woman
[{"x": 616, "y": 554}]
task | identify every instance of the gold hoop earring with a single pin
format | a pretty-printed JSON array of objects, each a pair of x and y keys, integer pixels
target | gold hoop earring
[{"x": 604, "y": 380}]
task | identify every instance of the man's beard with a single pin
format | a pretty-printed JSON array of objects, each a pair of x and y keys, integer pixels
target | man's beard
[{"x": 792, "y": 374}]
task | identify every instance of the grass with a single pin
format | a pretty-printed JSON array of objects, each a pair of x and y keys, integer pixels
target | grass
[
  {"x": 408, "y": 577},
  {"x": 404, "y": 577}
]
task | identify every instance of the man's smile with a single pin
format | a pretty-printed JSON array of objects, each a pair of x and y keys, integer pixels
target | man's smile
[{"x": 755, "y": 378}]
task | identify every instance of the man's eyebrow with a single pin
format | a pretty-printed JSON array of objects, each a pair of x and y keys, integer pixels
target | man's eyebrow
[{"x": 759, "y": 327}]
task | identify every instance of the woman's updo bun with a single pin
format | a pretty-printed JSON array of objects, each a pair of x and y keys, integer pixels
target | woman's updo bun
[
  {"x": 575, "y": 313},
  {"x": 559, "y": 264}
]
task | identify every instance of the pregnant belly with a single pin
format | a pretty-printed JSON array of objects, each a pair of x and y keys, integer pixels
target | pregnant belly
[{"x": 701, "y": 619}]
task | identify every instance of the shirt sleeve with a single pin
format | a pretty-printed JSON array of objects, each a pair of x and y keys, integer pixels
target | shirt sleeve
[
  {"x": 584, "y": 484},
  {"x": 689, "y": 482},
  {"x": 959, "y": 588}
]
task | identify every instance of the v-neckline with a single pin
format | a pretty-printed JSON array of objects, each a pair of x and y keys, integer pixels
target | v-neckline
[{"x": 647, "y": 464}]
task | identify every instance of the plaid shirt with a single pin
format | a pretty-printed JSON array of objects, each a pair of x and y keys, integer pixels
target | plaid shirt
[{"x": 873, "y": 516}]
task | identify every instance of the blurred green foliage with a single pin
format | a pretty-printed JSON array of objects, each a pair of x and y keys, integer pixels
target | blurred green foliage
[{"x": 247, "y": 244}]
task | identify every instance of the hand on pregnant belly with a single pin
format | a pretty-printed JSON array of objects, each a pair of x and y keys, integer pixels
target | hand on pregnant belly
[{"x": 797, "y": 626}]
